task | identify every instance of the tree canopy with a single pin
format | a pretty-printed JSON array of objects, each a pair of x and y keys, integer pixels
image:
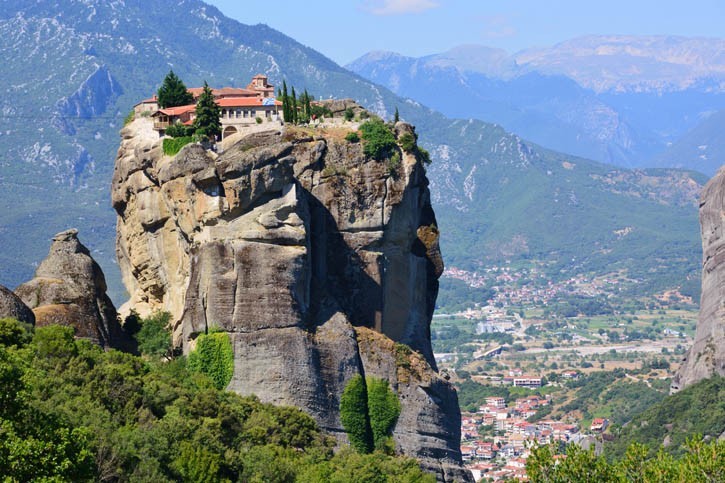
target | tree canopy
[
  {"x": 173, "y": 92},
  {"x": 70, "y": 411}
]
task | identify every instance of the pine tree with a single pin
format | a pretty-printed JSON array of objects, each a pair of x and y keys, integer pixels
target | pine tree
[
  {"x": 173, "y": 92},
  {"x": 396, "y": 117},
  {"x": 207, "y": 121}
]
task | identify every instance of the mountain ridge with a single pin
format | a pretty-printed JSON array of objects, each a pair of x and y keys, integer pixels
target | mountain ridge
[{"x": 41, "y": 160}]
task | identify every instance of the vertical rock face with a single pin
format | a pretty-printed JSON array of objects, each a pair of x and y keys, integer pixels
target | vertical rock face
[
  {"x": 11, "y": 306},
  {"x": 69, "y": 289},
  {"x": 706, "y": 357},
  {"x": 314, "y": 258}
]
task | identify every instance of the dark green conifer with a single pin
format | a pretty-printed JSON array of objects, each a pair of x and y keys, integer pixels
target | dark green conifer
[
  {"x": 286, "y": 107},
  {"x": 173, "y": 92},
  {"x": 295, "y": 114},
  {"x": 207, "y": 122}
]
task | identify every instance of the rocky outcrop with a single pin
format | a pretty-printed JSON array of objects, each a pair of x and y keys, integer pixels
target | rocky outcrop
[
  {"x": 706, "y": 357},
  {"x": 294, "y": 243},
  {"x": 69, "y": 289},
  {"x": 12, "y": 307}
]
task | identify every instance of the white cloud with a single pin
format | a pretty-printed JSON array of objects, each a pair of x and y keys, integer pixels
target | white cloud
[{"x": 397, "y": 7}]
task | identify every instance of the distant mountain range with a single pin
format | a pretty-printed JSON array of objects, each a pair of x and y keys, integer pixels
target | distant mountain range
[
  {"x": 617, "y": 99},
  {"x": 74, "y": 69}
]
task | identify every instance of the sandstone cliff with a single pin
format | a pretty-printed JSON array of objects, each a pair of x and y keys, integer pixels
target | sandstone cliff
[
  {"x": 315, "y": 259},
  {"x": 706, "y": 357},
  {"x": 69, "y": 289}
]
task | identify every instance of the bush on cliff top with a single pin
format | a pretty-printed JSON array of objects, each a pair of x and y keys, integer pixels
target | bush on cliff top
[
  {"x": 71, "y": 411},
  {"x": 379, "y": 139},
  {"x": 172, "y": 146}
]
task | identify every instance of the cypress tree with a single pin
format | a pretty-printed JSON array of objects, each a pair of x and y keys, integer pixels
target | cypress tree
[
  {"x": 295, "y": 116},
  {"x": 307, "y": 108},
  {"x": 173, "y": 92},
  {"x": 207, "y": 121},
  {"x": 396, "y": 117},
  {"x": 286, "y": 108},
  {"x": 354, "y": 415}
]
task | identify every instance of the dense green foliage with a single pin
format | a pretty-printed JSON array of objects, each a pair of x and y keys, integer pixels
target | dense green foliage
[
  {"x": 214, "y": 357},
  {"x": 379, "y": 140},
  {"x": 154, "y": 335},
  {"x": 407, "y": 142},
  {"x": 354, "y": 415},
  {"x": 70, "y": 411},
  {"x": 179, "y": 130},
  {"x": 351, "y": 467},
  {"x": 384, "y": 409},
  {"x": 207, "y": 122},
  {"x": 173, "y": 92},
  {"x": 610, "y": 394},
  {"x": 697, "y": 409},
  {"x": 702, "y": 462},
  {"x": 352, "y": 137},
  {"x": 369, "y": 410},
  {"x": 172, "y": 146},
  {"x": 471, "y": 394}
]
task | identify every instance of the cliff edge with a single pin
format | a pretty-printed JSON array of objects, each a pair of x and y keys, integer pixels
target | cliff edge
[
  {"x": 706, "y": 357},
  {"x": 318, "y": 261}
]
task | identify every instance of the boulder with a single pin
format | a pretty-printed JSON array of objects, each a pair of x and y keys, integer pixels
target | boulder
[
  {"x": 69, "y": 289},
  {"x": 11, "y": 306}
]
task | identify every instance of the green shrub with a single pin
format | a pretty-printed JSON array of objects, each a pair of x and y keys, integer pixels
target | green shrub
[
  {"x": 407, "y": 142},
  {"x": 258, "y": 119},
  {"x": 154, "y": 337},
  {"x": 320, "y": 111},
  {"x": 172, "y": 146},
  {"x": 364, "y": 114},
  {"x": 349, "y": 114},
  {"x": 214, "y": 357},
  {"x": 384, "y": 409},
  {"x": 129, "y": 118},
  {"x": 393, "y": 163},
  {"x": 354, "y": 415},
  {"x": 178, "y": 130},
  {"x": 352, "y": 137},
  {"x": 379, "y": 139},
  {"x": 424, "y": 155},
  {"x": 14, "y": 332},
  {"x": 402, "y": 355}
]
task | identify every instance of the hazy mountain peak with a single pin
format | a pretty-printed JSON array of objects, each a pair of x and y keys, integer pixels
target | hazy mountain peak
[{"x": 625, "y": 63}]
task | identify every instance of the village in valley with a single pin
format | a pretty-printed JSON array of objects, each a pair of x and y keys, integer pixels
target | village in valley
[{"x": 520, "y": 356}]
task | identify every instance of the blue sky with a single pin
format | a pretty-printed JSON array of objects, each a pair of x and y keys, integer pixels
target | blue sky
[{"x": 345, "y": 29}]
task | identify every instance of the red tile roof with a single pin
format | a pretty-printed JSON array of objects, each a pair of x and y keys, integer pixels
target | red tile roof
[
  {"x": 176, "y": 111},
  {"x": 225, "y": 92},
  {"x": 243, "y": 102}
]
